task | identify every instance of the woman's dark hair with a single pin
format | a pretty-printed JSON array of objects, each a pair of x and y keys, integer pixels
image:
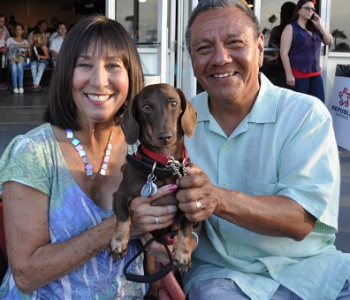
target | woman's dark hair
[
  {"x": 39, "y": 24},
  {"x": 99, "y": 32},
  {"x": 206, "y": 5},
  {"x": 287, "y": 11},
  {"x": 309, "y": 25},
  {"x": 20, "y": 25}
]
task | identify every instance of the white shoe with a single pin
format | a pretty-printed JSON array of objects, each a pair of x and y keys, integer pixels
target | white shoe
[
  {"x": 21, "y": 90},
  {"x": 15, "y": 90}
]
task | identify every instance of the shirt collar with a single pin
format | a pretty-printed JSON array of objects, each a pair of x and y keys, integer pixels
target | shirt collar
[{"x": 263, "y": 111}]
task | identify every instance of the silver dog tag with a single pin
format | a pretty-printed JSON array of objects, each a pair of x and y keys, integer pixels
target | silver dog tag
[
  {"x": 154, "y": 189},
  {"x": 147, "y": 189}
]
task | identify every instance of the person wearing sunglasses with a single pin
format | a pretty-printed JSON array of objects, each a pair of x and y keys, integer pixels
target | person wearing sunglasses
[{"x": 300, "y": 50}]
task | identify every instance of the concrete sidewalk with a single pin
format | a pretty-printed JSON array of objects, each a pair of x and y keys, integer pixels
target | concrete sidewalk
[{"x": 21, "y": 112}]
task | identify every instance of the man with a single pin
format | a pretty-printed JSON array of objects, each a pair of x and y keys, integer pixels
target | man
[
  {"x": 4, "y": 35},
  {"x": 268, "y": 187},
  {"x": 56, "y": 43}
]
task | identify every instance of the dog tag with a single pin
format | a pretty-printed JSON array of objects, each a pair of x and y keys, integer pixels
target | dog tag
[
  {"x": 154, "y": 189},
  {"x": 147, "y": 189}
]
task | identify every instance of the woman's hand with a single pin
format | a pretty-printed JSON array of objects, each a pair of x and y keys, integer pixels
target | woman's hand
[
  {"x": 146, "y": 217},
  {"x": 316, "y": 20},
  {"x": 290, "y": 80}
]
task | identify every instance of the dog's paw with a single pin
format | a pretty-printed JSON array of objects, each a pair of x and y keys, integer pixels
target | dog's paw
[
  {"x": 182, "y": 261},
  {"x": 152, "y": 293},
  {"x": 117, "y": 249}
]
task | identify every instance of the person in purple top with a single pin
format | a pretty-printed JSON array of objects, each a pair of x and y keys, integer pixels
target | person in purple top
[{"x": 300, "y": 50}]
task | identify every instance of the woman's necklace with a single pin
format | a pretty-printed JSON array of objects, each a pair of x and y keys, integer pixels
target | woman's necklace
[{"x": 88, "y": 167}]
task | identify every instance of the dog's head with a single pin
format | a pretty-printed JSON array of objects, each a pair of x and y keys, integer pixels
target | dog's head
[{"x": 158, "y": 116}]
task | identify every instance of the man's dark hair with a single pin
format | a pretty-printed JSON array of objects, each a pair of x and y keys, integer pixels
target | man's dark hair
[{"x": 206, "y": 5}]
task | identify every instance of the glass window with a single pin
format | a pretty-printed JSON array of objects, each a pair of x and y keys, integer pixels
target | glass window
[
  {"x": 271, "y": 17},
  {"x": 275, "y": 14},
  {"x": 140, "y": 18},
  {"x": 340, "y": 26}
]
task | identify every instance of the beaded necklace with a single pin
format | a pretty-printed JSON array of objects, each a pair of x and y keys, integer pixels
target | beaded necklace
[{"x": 88, "y": 167}]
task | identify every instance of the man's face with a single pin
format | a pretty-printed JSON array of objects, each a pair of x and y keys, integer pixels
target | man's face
[
  {"x": 2, "y": 22},
  {"x": 62, "y": 30},
  {"x": 226, "y": 55}
]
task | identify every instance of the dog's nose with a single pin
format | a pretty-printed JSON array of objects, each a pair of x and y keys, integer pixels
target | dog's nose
[{"x": 164, "y": 136}]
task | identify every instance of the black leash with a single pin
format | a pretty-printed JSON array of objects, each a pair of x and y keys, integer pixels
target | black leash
[
  {"x": 161, "y": 273},
  {"x": 153, "y": 277}
]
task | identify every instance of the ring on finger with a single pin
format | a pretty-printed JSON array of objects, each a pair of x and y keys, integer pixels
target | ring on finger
[
  {"x": 157, "y": 220},
  {"x": 198, "y": 205}
]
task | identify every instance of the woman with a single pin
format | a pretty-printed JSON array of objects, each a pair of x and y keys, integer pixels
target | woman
[
  {"x": 16, "y": 57},
  {"x": 300, "y": 50},
  {"x": 41, "y": 26},
  {"x": 58, "y": 179},
  {"x": 39, "y": 55}
]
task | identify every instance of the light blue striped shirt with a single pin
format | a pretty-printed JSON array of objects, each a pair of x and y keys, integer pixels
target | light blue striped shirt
[{"x": 284, "y": 146}]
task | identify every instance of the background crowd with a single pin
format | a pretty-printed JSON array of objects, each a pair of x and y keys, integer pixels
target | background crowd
[{"x": 32, "y": 48}]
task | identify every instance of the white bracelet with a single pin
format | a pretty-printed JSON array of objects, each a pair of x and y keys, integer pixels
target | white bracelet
[{"x": 196, "y": 236}]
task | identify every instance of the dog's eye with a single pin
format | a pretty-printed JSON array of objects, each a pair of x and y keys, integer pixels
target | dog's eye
[
  {"x": 146, "y": 107},
  {"x": 173, "y": 103}
]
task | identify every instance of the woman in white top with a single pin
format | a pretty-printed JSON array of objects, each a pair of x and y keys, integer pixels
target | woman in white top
[{"x": 17, "y": 58}]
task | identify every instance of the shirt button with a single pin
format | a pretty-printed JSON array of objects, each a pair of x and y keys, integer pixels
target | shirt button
[
  {"x": 234, "y": 248},
  {"x": 226, "y": 148},
  {"x": 225, "y": 184}
]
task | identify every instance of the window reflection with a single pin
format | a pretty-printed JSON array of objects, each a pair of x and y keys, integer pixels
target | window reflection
[
  {"x": 340, "y": 26},
  {"x": 275, "y": 15},
  {"x": 140, "y": 18}
]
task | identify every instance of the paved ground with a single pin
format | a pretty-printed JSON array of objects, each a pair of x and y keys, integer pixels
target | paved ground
[{"x": 20, "y": 113}]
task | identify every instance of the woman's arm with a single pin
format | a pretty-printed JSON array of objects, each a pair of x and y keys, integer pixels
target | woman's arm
[
  {"x": 35, "y": 261},
  {"x": 3, "y": 31},
  {"x": 327, "y": 37},
  {"x": 286, "y": 42}
]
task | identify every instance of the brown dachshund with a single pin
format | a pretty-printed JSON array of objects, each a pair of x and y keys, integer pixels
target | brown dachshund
[{"x": 158, "y": 117}]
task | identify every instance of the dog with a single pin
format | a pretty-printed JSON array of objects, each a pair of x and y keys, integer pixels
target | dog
[{"x": 158, "y": 117}]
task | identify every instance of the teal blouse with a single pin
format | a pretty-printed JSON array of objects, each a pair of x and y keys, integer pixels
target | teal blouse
[{"x": 35, "y": 160}]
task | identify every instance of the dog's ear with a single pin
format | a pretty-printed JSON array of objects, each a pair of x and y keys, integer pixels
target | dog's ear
[
  {"x": 129, "y": 124},
  {"x": 189, "y": 115}
]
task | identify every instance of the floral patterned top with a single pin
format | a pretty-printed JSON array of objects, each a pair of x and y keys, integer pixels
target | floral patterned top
[{"x": 35, "y": 160}]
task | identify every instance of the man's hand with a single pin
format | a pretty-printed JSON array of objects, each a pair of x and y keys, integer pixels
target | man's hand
[{"x": 198, "y": 197}]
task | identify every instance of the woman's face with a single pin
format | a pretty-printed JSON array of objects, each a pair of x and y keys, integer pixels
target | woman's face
[
  {"x": 18, "y": 31},
  {"x": 100, "y": 85},
  {"x": 43, "y": 26},
  {"x": 307, "y": 10}
]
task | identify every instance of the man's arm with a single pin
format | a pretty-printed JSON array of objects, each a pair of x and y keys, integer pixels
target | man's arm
[{"x": 271, "y": 215}]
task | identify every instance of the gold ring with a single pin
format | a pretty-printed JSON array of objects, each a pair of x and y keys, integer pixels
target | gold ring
[{"x": 198, "y": 205}]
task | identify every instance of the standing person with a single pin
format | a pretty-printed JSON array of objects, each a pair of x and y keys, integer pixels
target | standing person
[
  {"x": 4, "y": 35},
  {"x": 58, "y": 179},
  {"x": 17, "y": 58},
  {"x": 275, "y": 67},
  {"x": 56, "y": 43},
  {"x": 266, "y": 176},
  {"x": 300, "y": 50},
  {"x": 39, "y": 56}
]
